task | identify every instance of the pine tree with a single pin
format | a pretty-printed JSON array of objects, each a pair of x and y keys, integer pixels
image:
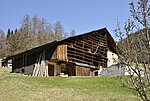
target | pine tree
[
  {"x": 8, "y": 33},
  {"x": 16, "y": 30},
  {"x": 72, "y": 33},
  {"x": 58, "y": 30},
  {"x": 2, "y": 42}
]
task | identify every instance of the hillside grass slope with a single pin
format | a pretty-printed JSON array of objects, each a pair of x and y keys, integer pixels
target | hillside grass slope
[{"x": 16, "y": 87}]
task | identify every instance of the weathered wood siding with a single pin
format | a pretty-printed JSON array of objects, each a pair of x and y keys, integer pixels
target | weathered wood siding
[
  {"x": 60, "y": 53},
  {"x": 82, "y": 71},
  {"x": 88, "y": 49}
]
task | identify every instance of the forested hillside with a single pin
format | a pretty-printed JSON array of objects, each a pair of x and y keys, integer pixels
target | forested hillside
[
  {"x": 137, "y": 41},
  {"x": 32, "y": 33}
]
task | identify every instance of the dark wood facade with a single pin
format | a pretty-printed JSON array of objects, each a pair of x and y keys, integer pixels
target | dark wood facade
[{"x": 76, "y": 56}]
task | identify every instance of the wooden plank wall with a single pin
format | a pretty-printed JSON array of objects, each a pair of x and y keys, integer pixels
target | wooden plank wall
[
  {"x": 62, "y": 52},
  {"x": 82, "y": 71},
  {"x": 88, "y": 49}
]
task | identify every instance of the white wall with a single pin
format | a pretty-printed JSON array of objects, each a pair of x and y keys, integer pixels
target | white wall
[
  {"x": 112, "y": 58},
  {"x": 114, "y": 70},
  {"x": 118, "y": 70}
]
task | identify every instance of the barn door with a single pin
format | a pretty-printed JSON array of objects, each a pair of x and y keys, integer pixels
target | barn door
[{"x": 50, "y": 70}]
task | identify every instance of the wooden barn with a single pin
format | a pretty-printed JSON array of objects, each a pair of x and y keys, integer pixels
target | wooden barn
[{"x": 80, "y": 55}]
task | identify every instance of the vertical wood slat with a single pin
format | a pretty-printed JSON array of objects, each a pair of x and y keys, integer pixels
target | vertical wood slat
[{"x": 62, "y": 52}]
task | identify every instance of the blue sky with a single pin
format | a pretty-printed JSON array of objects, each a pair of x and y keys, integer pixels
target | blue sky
[{"x": 80, "y": 15}]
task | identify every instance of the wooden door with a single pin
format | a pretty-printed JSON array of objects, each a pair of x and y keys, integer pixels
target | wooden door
[{"x": 51, "y": 70}]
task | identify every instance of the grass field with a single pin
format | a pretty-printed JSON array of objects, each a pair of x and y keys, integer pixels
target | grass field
[{"x": 16, "y": 87}]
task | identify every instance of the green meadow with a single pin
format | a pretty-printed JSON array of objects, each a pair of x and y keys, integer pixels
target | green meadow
[{"x": 17, "y": 87}]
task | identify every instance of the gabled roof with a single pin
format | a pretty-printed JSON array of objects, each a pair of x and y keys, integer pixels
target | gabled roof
[
  {"x": 111, "y": 43},
  {"x": 110, "y": 40}
]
